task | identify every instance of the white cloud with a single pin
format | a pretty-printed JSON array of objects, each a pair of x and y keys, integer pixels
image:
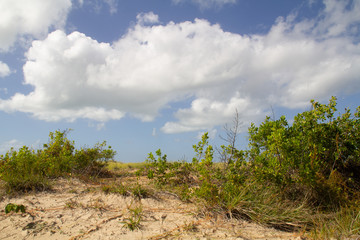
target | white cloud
[
  {"x": 57, "y": 68},
  {"x": 153, "y": 66},
  {"x": 24, "y": 19},
  {"x": 147, "y": 18},
  {"x": 204, "y": 4},
  {"x": 211, "y": 134},
  {"x": 113, "y": 4},
  {"x": 4, "y": 69},
  {"x": 205, "y": 114},
  {"x": 7, "y": 145},
  {"x": 97, "y": 6}
]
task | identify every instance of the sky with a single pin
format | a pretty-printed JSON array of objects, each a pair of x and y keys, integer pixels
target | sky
[{"x": 150, "y": 74}]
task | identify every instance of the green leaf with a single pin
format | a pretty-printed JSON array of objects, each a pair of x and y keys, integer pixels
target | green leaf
[{"x": 14, "y": 207}]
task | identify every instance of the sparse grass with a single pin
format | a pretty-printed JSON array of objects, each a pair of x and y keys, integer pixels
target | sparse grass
[
  {"x": 341, "y": 224},
  {"x": 97, "y": 203},
  {"x": 190, "y": 227},
  {"x": 16, "y": 184},
  {"x": 125, "y": 169},
  {"x": 72, "y": 204},
  {"x": 133, "y": 221},
  {"x": 140, "y": 191},
  {"x": 116, "y": 188},
  {"x": 265, "y": 206}
]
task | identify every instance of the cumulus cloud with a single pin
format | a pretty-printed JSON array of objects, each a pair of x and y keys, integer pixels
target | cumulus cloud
[
  {"x": 4, "y": 69},
  {"x": 154, "y": 65},
  {"x": 57, "y": 68},
  {"x": 204, "y": 4},
  {"x": 23, "y": 18}
]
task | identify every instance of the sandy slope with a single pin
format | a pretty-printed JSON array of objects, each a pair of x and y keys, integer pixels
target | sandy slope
[{"x": 75, "y": 210}]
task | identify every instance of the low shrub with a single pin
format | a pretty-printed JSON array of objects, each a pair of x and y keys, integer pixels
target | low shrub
[
  {"x": 292, "y": 176},
  {"x": 26, "y": 169}
]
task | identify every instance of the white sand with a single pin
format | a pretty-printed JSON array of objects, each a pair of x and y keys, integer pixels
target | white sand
[{"x": 75, "y": 210}]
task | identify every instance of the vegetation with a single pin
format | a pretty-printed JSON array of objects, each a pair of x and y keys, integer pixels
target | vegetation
[
  {"x": 133, "y": 221},
  {"x": 11, "y": 207},
  {"x": 27, "y": 169},
  {"x": 302, "y": 176},
  {"x": 116, "y": 188}
]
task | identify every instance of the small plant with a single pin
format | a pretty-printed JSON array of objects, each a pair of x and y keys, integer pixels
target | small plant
[
  {"x": 97, "y": 203},
  {"x": 206, "y": 171},
  {"x": 115, "y": 188},
  {"x": 140, "y": 192},
  {"x": 72, "y": 204},
  {"x": 190, "y": 227},
  {"x": 11, "y": 207},
  {"x": 133, "y": 222},
  {"x": 158, "y": 167}
]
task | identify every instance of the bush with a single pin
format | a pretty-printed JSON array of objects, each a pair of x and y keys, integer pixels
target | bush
[
  {"x": 318, "y": 152},
  {"x": 291, "y": 174},
  {"x": 26, "y": 169}
]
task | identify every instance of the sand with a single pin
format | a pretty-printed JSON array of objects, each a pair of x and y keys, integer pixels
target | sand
[{"x": 78, "y": 210}]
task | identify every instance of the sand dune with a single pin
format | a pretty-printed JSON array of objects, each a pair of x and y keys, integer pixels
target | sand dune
[{"x": 79, "y": 210}]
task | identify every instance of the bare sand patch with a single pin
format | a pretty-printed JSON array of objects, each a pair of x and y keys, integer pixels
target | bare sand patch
[{"x": 79, "y": 210}]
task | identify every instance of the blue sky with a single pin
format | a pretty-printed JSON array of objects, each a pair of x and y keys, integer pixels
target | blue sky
[{"x": 149, "y": 74}]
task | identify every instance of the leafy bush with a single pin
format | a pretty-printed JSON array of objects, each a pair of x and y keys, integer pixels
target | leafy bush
[
  {"x": 318, "y": 154},
  {"x": 26, "y": 169},
  {"x": 164, "y": 172},
  {"x": 291, "y": 174}
]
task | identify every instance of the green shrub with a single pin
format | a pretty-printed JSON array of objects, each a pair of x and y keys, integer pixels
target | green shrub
[
  {"x": 22, "y": 171},
  {"x": 318, "y": 151},
  {"x": 26, "y": 170},
  {"x": 290, "y": 175},
  {"x": 158, "y": 167},
  {"x": 169, "y": 173}
]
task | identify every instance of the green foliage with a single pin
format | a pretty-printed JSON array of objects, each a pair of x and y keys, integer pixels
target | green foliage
[
  {"x": 57, "y": 156},
  {"x": 164, "y": 172},
  {"x": 22, "y": 170},
  {"x": 157, "y": 167},
  {"x": 203, "y": 163},
  {"x": 133, "y": 222},
  {"x": 292, "y": 177},
  {"x": 115, "y": 188},
  {"x": 318, "y": 152},
  {"x": 343, "y": 224},
  {"x": 14, "y": 208},
  {"x": 139, "y": 191},
  {"x": 26, "y": 169}
]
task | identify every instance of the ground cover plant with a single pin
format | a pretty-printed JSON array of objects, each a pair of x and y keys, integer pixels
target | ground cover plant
[{"x": 11, "y": 207}]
